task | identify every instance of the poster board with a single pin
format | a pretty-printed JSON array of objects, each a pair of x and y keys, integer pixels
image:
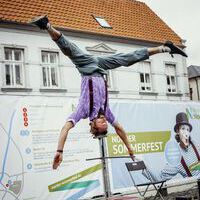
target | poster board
[
  {"x": 150, "y": 129},
  {"x": 29, "y": 130}
]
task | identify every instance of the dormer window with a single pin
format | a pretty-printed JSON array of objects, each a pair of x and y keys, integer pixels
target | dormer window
[{"x": 102, "y": 22}]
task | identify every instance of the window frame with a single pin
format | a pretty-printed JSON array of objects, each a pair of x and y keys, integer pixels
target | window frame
[
  {"x": 169, "y": 76},
  {"x": 48, "y": 66},
  {"x": 143, "y": 72},
  {"x": 12, "y": 63},
  {"x": 102, "y": 22}
]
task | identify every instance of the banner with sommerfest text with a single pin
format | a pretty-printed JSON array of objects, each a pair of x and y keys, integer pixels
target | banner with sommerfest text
[{"x": 150, "y": 129}]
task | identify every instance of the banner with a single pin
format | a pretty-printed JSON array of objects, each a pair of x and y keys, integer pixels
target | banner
[
  {"x": 29, "y": 130},
  {"x": 150, "y": 129}
]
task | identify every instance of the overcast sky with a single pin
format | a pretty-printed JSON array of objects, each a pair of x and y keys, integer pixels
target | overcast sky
[{"x": 183, "y": 16}]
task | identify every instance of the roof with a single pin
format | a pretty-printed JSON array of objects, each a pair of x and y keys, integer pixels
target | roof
[
  {"x": 129, "y": 19},
  {"x": 193, "y": 71}
]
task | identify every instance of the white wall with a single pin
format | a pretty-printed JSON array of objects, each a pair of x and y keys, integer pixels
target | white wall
[{"x": 125, "y": 80}]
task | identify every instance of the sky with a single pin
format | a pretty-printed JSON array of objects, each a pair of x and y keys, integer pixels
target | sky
[{"x": 183, "y": 16}]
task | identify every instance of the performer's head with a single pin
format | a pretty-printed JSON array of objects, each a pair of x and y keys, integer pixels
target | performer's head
[
  {"x": 99, "y": 125},
  {"x": 182, "y": 129}
]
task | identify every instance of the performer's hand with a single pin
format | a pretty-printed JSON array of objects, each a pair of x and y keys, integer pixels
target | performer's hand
[
  {"x": 132, "y": 157},
  {"x": 57, "y": 160},
  {"x": 131, "y": 154}
]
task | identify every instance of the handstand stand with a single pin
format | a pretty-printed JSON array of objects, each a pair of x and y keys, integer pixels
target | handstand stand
[{"x": 93, "y": 101}]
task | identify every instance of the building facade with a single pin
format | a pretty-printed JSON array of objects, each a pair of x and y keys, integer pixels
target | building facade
[{"x": 32, "y": 64}]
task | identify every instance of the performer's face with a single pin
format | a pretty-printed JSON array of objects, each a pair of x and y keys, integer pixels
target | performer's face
[
  {"x": 101, "y": 123},
  {"x": 184, "y": 133}
]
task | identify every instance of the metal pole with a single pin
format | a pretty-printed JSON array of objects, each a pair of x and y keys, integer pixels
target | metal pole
[
  {"x": 198, "y": 183},
  {"x": 105, "y": 168}
]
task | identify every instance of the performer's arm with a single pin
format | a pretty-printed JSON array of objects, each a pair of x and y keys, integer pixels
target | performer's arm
[
  {"x": 119, "y": 130},
  {"x": 61, "y": 142},
  {"x": 121, "y": 133},
  {"x": 72, "y": 120}
]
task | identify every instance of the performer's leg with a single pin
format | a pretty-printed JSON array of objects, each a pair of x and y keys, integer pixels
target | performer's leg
[
  {"x": 155, "y": 50},
  {"x": 43, "y": 23},
  {"x": 55, "y": 34},
  {"x": 78, "y": 57},
  {"x": 128, "y": 59},
  {"x": 169, "y": 47}
]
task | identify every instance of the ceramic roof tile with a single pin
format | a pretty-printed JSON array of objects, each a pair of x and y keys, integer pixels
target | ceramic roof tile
[{"x": 129, "y": 18}]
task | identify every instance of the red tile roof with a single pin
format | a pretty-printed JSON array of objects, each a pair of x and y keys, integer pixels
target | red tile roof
[{"x": 129, "y": 18}]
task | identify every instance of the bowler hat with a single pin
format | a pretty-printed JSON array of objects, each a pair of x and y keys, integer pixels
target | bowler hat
[{"x": 182, "y": 119}]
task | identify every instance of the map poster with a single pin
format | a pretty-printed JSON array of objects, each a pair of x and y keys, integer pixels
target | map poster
[{"x": 29, "y": 130}]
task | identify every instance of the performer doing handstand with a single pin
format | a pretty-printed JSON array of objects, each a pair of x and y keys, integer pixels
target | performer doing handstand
[{"x": 93, "y": 101}]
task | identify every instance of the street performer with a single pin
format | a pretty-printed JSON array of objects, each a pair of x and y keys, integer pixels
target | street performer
[{"x": 93, "y": 101}]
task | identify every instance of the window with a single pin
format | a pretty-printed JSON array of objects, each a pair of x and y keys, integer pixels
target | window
[
  {"x": 14, "y": 67},
  {"x": 102, "y": 22},
  {"x": 171, "y": 78},
  {"x": 50, "y": 69},
  {"x": 145, "y": 77}
]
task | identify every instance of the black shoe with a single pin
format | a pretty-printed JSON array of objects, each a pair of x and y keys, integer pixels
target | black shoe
[
  {"x": 174, "y": 49},
  {"x": 41, "y": 22}
]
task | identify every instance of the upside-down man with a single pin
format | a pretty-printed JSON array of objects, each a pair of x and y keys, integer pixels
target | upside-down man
[{"x": 93, "y": 101}]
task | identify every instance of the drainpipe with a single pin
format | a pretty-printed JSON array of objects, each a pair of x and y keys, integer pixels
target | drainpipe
[{"x": 197, "y": 87}]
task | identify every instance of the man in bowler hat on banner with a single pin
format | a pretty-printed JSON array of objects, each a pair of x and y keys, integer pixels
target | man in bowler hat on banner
[{"x": 189, "y": 164}]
